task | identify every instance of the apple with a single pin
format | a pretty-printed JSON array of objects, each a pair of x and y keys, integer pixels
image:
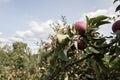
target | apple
[
  {"x": 62, "y": 38},
  {"x": 80, "y": 27},
  {"x": 81, "y": 44},
  {"x": 116, "y": 26}
]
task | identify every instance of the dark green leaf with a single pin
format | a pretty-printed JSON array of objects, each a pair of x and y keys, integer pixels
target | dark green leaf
[
  {"x": 63, "y": 56},
  {"x": 112, "y": 50},
  {"x": 102, "y": 22},
  {"x": 112, "y": 58},
  {"x": 97, "y": 71},
  {"x": 115, "y": 1},
  {"x": 101, "y": 64},
  {"x": 97, "y": 19},
  {"x": 87, "y": 20},
  {"x": 118, "y": 8},
  {"x": 93, "y": 50},
  {"x": 100, "y": 18},
  {"x": 117, "y": 51},
  {"x": 53, "y": 61}
]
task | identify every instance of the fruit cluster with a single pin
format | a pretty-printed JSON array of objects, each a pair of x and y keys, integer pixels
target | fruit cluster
[{"x": 81, "y": 28}]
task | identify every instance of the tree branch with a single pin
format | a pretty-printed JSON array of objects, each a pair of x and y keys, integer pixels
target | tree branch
[{"x": 56, "y": 73}]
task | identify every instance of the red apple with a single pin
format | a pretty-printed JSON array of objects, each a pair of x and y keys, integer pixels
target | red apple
[
  {"x": 80, "y": 27},
  {"x": 116, "y": 26},
  {"x": 81, "y": 44}
]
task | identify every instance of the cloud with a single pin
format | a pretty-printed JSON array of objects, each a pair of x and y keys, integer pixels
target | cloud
[
  {"x": 105, "y": 29},
  {"x": 37, "y": 31},
  {"x": 108, "y": 12},
  {"x": 2, "y": 39},
  {"x": 1, "y": 33}
]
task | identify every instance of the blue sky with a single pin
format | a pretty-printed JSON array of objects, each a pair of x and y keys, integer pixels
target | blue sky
[
  {"x": 28, "y": 19},
  {"x": 15, "y": 14}
]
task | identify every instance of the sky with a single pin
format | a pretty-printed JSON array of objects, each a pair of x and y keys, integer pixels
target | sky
[{"x": 28, "y": 20}]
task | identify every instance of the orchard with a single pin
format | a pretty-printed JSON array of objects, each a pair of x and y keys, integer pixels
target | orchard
[
  {"x": 75, "y": 52},
  {"x": 80, "y": 52}
]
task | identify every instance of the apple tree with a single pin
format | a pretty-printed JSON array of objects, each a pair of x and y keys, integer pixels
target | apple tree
[
  {"x": 80, "y": 52},
  {"x": 75, "y": 52}
]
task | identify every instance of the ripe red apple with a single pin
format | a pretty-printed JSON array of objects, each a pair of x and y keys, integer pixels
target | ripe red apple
[
  {"x": 81, "y": 44},
  {"x": 116, "y": 26},
  {"x": 80, "y": 27}
]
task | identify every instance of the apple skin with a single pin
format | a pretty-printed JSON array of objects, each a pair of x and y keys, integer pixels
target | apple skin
[
  {"x": 116, "y": 26},
  {"x": 80, "y": 27},
  {"x": 81, "y": 44}
]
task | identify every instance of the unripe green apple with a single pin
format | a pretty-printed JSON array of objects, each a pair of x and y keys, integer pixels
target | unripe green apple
[
  {"x": 116, "y": 26},
  {"x": 80, "y": 27},
  {"x": 81, "y": 44},
  {"x": 62, "y": 38}
]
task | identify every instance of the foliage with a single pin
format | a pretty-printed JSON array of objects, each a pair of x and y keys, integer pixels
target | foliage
[
  {"x": 64, "y": 61},
  {"x": 18, "y": 63},
  {"x": 61, "y": 59}
]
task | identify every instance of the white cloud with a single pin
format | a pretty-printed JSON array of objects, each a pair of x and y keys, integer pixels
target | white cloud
[
  {"x": 1, "y": 33},
  {"x": 13, "y": 39},
  {"x": 37, "y": 31},
  {"x": 3, "y": 39},
  {"x": 108, "y": 12},
  {"x": 106, "y": 29}
]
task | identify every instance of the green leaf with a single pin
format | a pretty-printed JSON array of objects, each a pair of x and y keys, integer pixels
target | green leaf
[
  {"x": 118, "y": 35},
  {"x": 97, "y": 19},
  {"x": 75, "y": 44},
  {"x": 112, "y": 58},
  {"x": 69, "y": 31},
  {"x": 117, "y": 51},
  {"x": 100, "y": 18},
  {"x": 97, "y": 69},
  {"x": 93, "y": 50},
  {"x": 115, "y": 1},
  {"x": 118, "y": 8},
  {"x": 94, "y": 29},
  {"x": 101, "y": 64},
  {"x": 63, "y": 56},
  {"x": 102, "y": 22},
  {"x": 87, "y": 20},
  {"x": 53, "y": 61},
  {"x": 112, "y": 50}
]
